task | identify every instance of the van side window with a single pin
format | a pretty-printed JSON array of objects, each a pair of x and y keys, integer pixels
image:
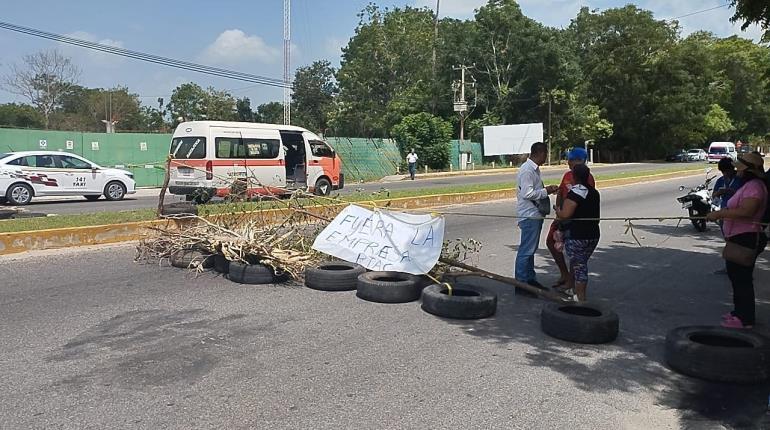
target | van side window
[
  {"x": 228, "y": 147},
  {"x": 320, "y": 149}
]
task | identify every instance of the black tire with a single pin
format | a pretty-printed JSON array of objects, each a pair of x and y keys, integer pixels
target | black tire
[
  {"x": 188, "y": 258},
  {"x": 221, "y": 264},
  {"x": 466, "y": 302},
  {"x": 333, "y": 276},
  {"x": 580, "y": 322},
  {"x": 179, "y": 208},
  {"x": 252, "y": 274},
  {"x": 388, "y": 287},
  {"x": 699, "y": 224},
  {"x": 719, "y": 354},
  {"x": 19, "y": 194},
  {"x": 92, "y": 198},
  {"x": 114, "y": 190},
  {"x": 323, "y": 187}
]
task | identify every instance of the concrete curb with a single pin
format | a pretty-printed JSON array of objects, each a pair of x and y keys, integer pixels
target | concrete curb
[
  {"x": 16, "y": 242},
  {"x": 479, "y": 172}
]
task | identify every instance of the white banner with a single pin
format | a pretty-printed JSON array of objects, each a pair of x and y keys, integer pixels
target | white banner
[
  {"x": 511, "y": 139},
  {"x": 384, "y": 240}
]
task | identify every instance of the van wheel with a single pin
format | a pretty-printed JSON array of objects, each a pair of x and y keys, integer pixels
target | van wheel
[
  {"x": 19, "y": 194},
  {"x": 114, "y": 191},
  {"x": 323, "y": 187}
]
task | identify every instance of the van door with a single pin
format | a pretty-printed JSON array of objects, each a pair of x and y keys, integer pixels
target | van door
[{"x": 296, "y": 168}]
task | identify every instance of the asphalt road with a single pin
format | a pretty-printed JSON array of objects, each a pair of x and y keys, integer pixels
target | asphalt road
[
  {"x": 93, "y": 340},
  {"x": 149, "y": 199}
]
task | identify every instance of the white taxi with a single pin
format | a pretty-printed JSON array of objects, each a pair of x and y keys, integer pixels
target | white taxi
[{"x": 28, "y": 174}]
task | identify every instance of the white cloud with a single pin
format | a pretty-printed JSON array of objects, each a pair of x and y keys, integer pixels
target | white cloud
[
  {"x": 88, "y": 57},
  {"x": 453, "y": 8},
  {"x": 235, "y": 47}
]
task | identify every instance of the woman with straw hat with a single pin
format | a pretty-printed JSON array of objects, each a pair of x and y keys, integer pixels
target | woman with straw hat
[{"x": 745, "y": 238}]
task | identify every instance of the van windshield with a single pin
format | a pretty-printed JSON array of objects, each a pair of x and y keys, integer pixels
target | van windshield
[
  {"x": 188, "y": 148},
  {"x": 718, "y": 150}
]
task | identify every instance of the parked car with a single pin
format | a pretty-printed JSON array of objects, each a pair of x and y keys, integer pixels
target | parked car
[
  {"x": 680, "y": 156},
  {"x": 24, "y": 175},
  {"x": 696, "y": 155}
]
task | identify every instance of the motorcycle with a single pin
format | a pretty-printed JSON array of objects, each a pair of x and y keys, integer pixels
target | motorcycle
[{"x": 699, "y": 202}]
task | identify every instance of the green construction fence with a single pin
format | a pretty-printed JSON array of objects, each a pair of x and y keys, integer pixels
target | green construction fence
[{"x": 143, "y": 154}]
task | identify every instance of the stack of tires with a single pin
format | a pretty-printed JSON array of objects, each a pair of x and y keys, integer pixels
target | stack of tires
[
  {"x": 463, "y": 300},
  {"x": 250, "y": 272}
]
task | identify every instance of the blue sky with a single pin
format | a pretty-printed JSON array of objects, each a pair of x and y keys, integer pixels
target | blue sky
[{"x": 247, "y": 35}]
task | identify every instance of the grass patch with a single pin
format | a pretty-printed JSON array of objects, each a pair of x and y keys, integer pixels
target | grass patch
[{"x": 104, "y": 218}]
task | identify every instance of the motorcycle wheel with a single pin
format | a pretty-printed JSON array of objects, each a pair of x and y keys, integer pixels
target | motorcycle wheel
[{"x": 699, "y": 224}]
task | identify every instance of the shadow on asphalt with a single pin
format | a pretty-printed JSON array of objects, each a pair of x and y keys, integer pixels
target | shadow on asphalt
[{"x": 650, "y": 302}]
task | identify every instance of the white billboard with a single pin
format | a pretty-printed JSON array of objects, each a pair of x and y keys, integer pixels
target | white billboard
[{"x": 511, "y": 139}]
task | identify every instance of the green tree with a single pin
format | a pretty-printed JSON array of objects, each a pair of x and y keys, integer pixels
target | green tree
[
  {"x": 619, "y": 50},
  {"x": 314, "y": 91},
  {"x": 429, "y": 135},
  {"x": 187, "y": 103},
  {"x": 385, "y": 71},
  {"x": 219, "y": 105},
  {"x": 192, "y": 103},
  {"x": 270, "y": 113},
  {"x": 20, "y": 115},
  {"x": 752, "y": 12},
  {"x": 243, "y": 106},
  {"x": 717, "y": 123}
]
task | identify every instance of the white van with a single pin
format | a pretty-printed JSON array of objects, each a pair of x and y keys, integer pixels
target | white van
[
  {"x": 720, "y": 150},
  {"x": 208, "y": 157}
]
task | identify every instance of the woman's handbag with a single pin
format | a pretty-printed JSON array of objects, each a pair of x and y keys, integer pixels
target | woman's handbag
[{"x": 740, "y": 255}]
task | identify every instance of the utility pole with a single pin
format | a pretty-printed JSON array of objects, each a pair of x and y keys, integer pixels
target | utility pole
[
  {"x": 435, "y": 41},
  {"x": 460, "y": 102},
  {"x": 286, "y": 61},
  {"x": 550, "y": 99}
]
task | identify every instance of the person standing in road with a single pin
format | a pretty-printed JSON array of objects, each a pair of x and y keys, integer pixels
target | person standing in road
[
  {"x": 745, "y": 239},
  {"x": 532, "y": 205},
  {"x": 574, "y": 157},
  {"x": 579, "y": 220},
  {"x": 411, "y": 159}
]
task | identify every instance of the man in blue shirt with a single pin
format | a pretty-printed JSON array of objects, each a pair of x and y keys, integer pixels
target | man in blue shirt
[{"x": 728, "y": 184}]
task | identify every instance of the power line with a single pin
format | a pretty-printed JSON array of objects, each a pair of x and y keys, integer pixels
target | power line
[
  {"x": 169, "y": 62},
  {"x": 701, "y": 11}
]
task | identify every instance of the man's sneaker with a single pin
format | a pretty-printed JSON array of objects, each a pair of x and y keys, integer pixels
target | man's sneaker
[
  {"x": 734, "y": 322},
  {"x": 727, "y": 315}
]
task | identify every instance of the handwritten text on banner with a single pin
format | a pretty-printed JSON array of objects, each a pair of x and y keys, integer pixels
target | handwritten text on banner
[{"x": 384, "y": 240}]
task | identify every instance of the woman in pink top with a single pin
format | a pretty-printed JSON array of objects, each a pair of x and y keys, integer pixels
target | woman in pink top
[{"x": 742, "y": 226}]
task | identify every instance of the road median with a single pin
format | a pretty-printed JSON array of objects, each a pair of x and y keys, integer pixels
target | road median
[{"x": 22, "y": 241}]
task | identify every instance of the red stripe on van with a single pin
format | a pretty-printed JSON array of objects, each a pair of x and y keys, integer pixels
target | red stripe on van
[{"x": 226, "y": 163}]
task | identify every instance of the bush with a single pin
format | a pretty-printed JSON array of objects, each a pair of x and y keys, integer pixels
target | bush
[{"x": 430, "y": 137}]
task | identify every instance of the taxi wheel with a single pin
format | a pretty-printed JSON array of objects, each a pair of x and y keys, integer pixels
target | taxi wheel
[
  {"x": 19, "y": 194},
  {"x": 114, "y": 191}
]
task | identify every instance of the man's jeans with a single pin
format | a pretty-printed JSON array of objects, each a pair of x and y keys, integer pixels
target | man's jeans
[
  {"x": 412, "y": 169},
  {"x": 525, "y": 257}
]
